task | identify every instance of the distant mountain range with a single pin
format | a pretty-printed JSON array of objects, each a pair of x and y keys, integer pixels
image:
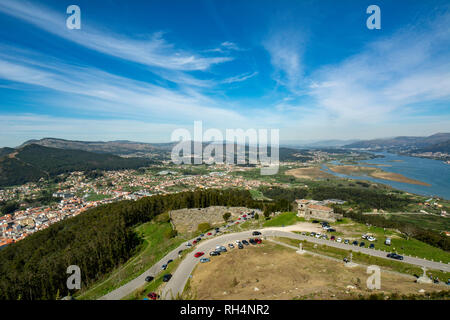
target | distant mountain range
[
  {"x": 32, "y": 162},
  {"x": 404, "y": 144},
  {"x": 319, "y": 144}
]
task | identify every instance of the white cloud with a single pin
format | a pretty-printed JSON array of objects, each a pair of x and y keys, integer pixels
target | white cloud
[
  {"x": 286, "y": 49},
  {"x": 153, "y": 51},
  {"x": 240, "y": 78}
]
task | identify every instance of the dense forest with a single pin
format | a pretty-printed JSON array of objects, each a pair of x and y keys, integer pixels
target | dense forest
[
  {"x": 33, "y": 162},
  {"x": 363, "y": 199},
  {"x": 97, "y": 240}
]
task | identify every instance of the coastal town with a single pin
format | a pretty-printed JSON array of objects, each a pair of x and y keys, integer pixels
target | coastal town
[{"x": 78, "y": 193}]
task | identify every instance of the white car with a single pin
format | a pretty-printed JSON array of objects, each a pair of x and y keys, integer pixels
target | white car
[
  {"x": 339, "y": 240},
  {"x": 318, "y": 235},
  {"x": 238, "y": 241},
  {"x": 370, "y": 238},
  {"x": 326, "y": 227}
]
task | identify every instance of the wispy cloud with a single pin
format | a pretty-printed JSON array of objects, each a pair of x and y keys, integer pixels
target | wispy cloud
[
  {"x": 410, "y": 67},
  {"x": 154, "y": 51},
  {"x": 240, "y": 78},
  {"x": 286, "y": 49},
  {"x": 110, "y": 93}
]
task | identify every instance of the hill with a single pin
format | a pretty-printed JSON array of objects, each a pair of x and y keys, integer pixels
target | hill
[
  {"x": 32, "y": 162},
  {"x": 443, "y": 147},
  {"x": 120, "y": 147},
  {"x": 401, "y": 143}
]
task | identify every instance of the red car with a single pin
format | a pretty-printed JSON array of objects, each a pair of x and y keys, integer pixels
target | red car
[
  {"x": 153, "y": 296},
  {"x": 209, "y": 233},
  {"x": 258, "y": 241},
  {"x": 244, "y": 215},
  {"x": 199, "y": 254},
  {"x": 194, "y": 242}
]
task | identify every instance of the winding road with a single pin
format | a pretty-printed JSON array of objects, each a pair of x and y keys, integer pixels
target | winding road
[{"x": 180, "y": 277}]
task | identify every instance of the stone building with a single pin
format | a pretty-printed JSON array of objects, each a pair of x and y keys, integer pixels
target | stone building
[{"x": 312, "y": 209}]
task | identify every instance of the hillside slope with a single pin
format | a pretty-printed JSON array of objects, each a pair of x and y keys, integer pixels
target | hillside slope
[{"x": 33, "y": 162}]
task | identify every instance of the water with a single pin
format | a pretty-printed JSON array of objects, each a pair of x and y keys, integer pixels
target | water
[{"x": 433, "y": 172}]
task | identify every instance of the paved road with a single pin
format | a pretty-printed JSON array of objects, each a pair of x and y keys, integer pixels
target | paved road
[
  {"x": 180, "y": 277},
  {"x": 138, "y": 282},
  {"x": 177, "y": 283}
]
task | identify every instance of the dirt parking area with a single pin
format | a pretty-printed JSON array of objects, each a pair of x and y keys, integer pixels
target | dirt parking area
[
  {"x": 187, "y": 220},
  {"x": 271, "y": 271}
]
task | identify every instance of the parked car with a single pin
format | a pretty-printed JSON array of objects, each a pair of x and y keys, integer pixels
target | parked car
[
  {"x": 346, "y": 241},
  {"x": 364, "y": 236},
  {"x": 240, "y": 246},
  {"x": 231, "y": 246},
  {"x": 315, "y": 221},
  {"x": 221, "y": 249},
  {"x": 180, "y": 252},
  {"x": 199, "y": 254},
  {"x": 198, "y": 239},
  {"x": 318, "y": 235},
  {"x": 209, "y": 234},
  {"x": 214, "y": 253},
  {"x": 203, "y": 260},
  {"x": 188, "y": 244},
  {"x": 164, "y": 266},
  {"x": 245, "y": 242},
  {"x": 333, "y": 238},
  {"x": 395, "y": 256},
  {"x": 362, "y": 244},
  {"x": 194, "y": 242},
  {"x": 331, "y": 230},
  {"x": 355, "y": 243},
  {"x": 170, "y": 260},
  {"x": 371, "y": 239},
  {"x": 167, "y": 277},
  {"x": 149, "y": 278},
  {"x": 339, "y": 240},
  {"x": 303, "y": 233},
  {"x": 256, "y": 233},
  {"x": 371, "y": 246},
  {"x": 258, "y": 241},
  {"x": 238, "y": 241},
  {"x": 387, "y": 241},
  {"x": 153, "y": 296},
  {"x": 312, "y": 234},
  {"x": 202, "y": 235},
  {"x": 252, "y": 241}
]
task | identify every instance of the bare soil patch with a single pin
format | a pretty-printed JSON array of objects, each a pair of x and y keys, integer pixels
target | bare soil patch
[
  {"x": 270, "y": 271},
  {"x": 310, "y": 173},
  {"x": 375, "y": 173}
]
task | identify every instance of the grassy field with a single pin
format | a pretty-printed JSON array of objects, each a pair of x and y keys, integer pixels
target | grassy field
[
  {"x": 426, "y": 221},
  {"x": 411, "y": 247},
  {"x": 154, "y": 247},
  {"x": 283, "y": 219},
  {"x": 97, "y": 197}
]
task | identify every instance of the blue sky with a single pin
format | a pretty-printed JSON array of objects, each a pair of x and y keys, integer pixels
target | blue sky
[{"x": 138, "y": 70}]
